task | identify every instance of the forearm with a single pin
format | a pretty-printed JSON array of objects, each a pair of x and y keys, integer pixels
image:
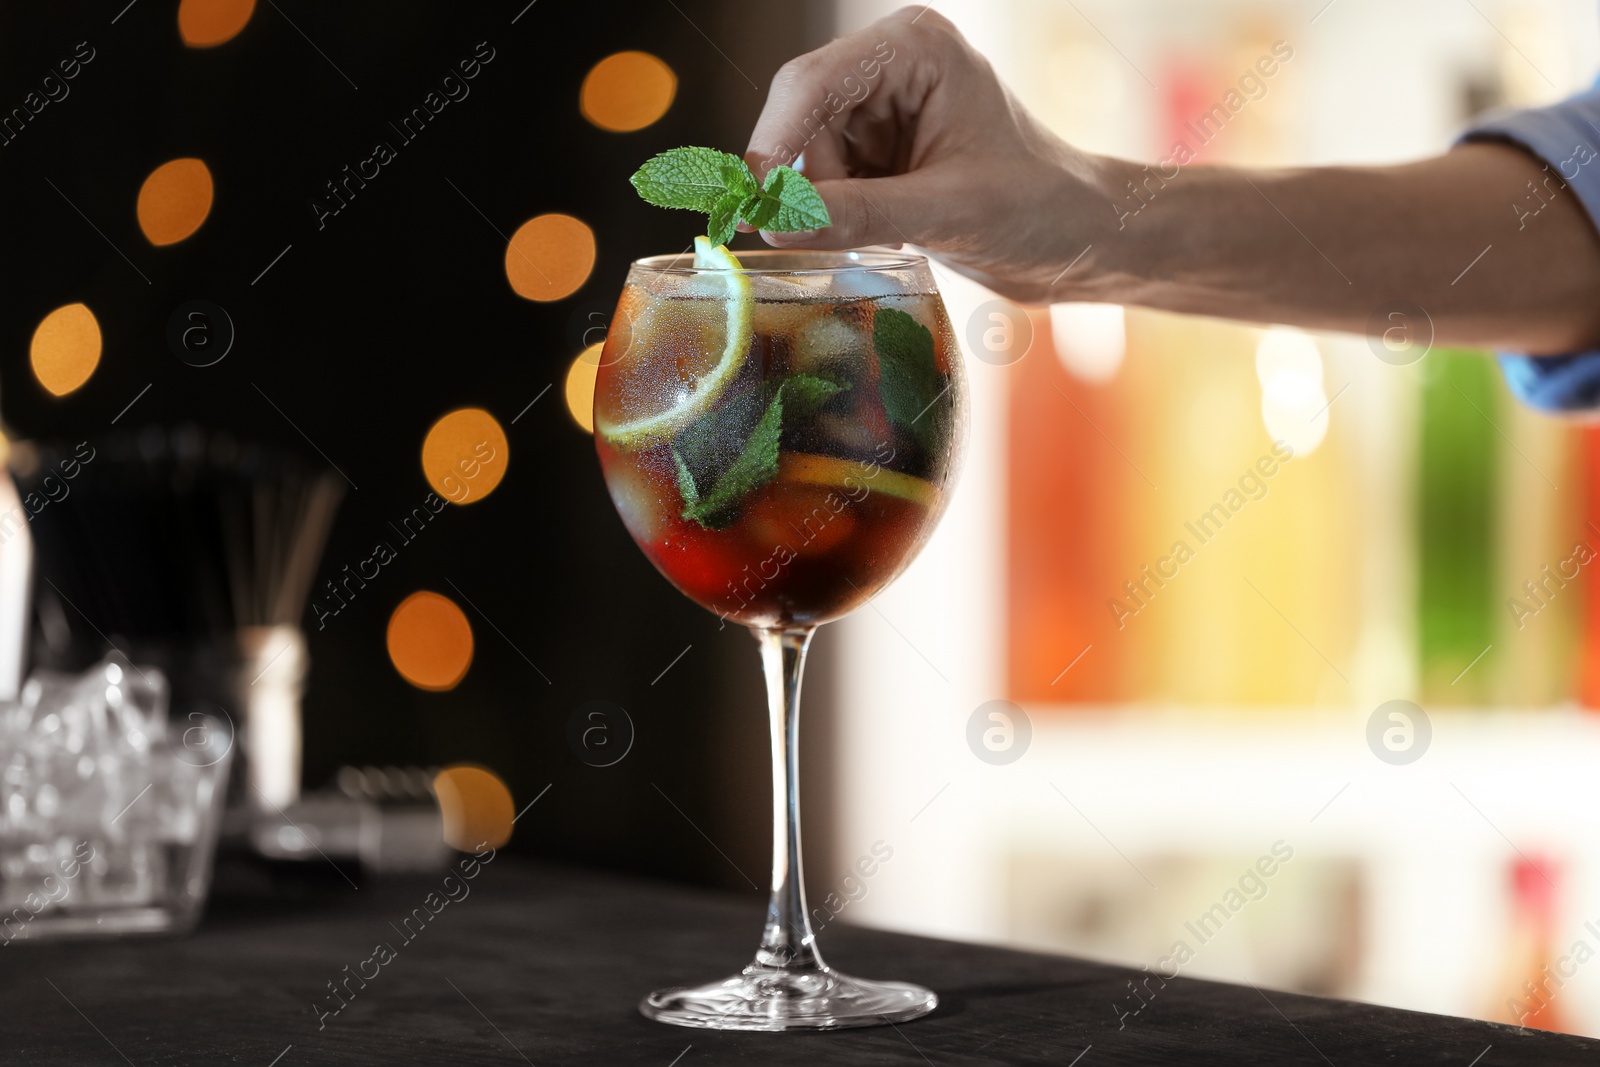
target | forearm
[{"x": 1327, "y": 248}]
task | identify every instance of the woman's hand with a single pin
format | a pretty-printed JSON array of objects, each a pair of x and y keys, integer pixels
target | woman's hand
[{"x": 910, "y": 138}]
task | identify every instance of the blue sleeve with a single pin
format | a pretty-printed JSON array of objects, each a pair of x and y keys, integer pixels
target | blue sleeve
[{"x": 1566, "y": 137}]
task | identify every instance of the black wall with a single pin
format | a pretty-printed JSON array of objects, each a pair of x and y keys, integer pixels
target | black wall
[{"x": 394, "y": 312}]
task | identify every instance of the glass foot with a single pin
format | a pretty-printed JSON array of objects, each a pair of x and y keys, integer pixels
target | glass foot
[{"x": 762, "y": 998}]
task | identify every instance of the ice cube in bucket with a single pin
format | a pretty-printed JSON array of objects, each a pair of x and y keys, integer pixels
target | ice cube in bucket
[{"x": 108, "y": 812}]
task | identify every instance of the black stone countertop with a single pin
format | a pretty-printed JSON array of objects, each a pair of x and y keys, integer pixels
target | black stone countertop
[{"x": 544, "y": 965}]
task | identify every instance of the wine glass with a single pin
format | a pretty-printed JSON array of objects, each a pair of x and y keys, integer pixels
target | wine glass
[{"x": 780, "y": 439}]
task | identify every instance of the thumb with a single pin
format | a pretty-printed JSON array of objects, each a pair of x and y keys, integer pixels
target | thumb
[{"x": 864, "y": 211}]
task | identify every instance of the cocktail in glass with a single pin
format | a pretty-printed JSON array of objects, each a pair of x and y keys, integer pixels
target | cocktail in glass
[{"x": 780, "y": 439}]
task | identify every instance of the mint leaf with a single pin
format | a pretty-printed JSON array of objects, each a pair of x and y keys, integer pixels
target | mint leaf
[
  {"x": 804, "y": 393},
  {"x": 755, "y": 466},
  {"x": 725, "y": 218},
  {"x": 703, "y": 454},
  {"x": 908, "y": 381},
  {"x": 709, "y": 445},
  {"x": 760, "y": 211},
  {"x": 721, "y": 185},
  {"x": 799, "y": 207},
  {"x": 686, "y": 486},
  {"x": 694, "y": 179}
]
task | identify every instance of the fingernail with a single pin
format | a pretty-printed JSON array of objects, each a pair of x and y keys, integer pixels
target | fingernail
[{"x": 786, "y": 237}]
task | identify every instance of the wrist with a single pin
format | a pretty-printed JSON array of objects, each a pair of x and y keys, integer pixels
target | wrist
[{"x": 1107, "y": 238}]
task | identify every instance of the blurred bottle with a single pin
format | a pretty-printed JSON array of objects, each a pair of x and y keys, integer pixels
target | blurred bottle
[
  {"x": 1527, "y": 984},
  {"x": 1456, "y": 551},
  {"x": 1589, "y": 646}
]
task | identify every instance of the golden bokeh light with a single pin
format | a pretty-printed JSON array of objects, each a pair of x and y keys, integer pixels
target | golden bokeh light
[
  {"x": 65, "y": 349},
  {"x": 549, "y": 257},
  {"x": 475, "y": 806},
  {"x": 430, "y": 641},
  {"x": 175, "y": 200},
  {"x": 464, "y": 455},
  {"x": 204, "y": 23},
  {"x": 580, "y": 385},
  {"x": 627, "y": 91}
]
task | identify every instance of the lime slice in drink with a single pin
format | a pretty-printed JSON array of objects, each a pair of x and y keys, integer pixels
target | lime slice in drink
[
  {"x": 724, "y": 336},
  {"x": 847, "y": 474}
]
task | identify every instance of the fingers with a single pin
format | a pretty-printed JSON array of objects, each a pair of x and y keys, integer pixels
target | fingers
[
  {"x": 865, "y": 211},
  {"x": 813, "y": 96}
]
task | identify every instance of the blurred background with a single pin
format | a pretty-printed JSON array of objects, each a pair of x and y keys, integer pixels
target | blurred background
[
  {"x": 364, "y": 311},
  {"x": 1062, "y": 751}
]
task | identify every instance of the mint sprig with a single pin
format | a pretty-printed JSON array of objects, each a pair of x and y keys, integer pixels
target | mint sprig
[
  {"x": 701, "y": 456},
  {"x": 723, "y": 186}
]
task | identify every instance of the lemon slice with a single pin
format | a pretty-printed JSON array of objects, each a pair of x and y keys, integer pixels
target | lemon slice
[
  {"x": 739, "y": 300},
  {"x": 831, "y": 471}
]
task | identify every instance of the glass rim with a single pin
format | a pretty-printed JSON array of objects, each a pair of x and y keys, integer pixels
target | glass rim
[{"x": 843, "y": 261}]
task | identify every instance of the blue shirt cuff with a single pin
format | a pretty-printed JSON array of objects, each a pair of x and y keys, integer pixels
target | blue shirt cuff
[
  {"x": 1566, "y": 137},
  {"x": 1554, "y": 383}
]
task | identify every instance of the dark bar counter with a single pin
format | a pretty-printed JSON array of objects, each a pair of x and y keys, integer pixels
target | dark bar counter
[{"x": 536, "y": 964}]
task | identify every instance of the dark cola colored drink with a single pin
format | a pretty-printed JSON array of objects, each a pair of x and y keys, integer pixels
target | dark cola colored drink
[{"x": 808, "y": 469}]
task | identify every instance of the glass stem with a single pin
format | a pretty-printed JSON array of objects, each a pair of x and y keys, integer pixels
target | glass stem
[{"x": 788, "y": 942}]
